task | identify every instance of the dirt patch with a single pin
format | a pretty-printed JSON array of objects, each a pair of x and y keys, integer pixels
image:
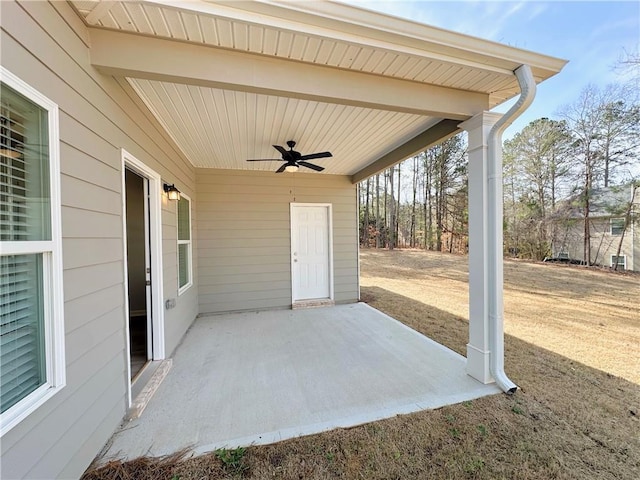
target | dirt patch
[{"x": 568, "y": 421}]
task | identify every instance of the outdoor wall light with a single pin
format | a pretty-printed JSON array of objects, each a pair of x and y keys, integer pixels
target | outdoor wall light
[
  {"x": 172, "y": 192},
  {"x": 291, "y": 168}
]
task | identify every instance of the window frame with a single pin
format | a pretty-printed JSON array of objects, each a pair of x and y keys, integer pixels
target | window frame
[
  {"x": 189, "y": 244},
  {"x": 621, "y": 227},
  {"x": 612, "y": 264},
  {"x": 51, "y": 251}
]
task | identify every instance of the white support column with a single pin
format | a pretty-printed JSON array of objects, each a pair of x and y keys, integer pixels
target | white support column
[{"x": 480, "y": 239}]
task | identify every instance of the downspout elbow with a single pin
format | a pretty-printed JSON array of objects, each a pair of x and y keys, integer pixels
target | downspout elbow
[{"x": 494, "y": 192}]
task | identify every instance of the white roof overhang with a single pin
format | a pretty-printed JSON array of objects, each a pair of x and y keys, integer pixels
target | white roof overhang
[{"x": 227, "y": 80}]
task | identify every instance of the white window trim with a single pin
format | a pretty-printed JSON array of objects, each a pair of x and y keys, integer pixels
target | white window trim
[
  {"x": 52, "y": 268},
  {"x": 611, "y": 220},
  {"x": 623, "y": 257},
  {"x": 189, "y": 242}
]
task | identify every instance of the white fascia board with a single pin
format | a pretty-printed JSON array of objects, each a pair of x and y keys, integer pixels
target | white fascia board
[{"x": 137, "y": 56}]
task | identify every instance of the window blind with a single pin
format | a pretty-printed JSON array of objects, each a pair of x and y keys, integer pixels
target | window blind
[
  {"x": 24, "y": 216},
  {"x": 22, "y": 350}
]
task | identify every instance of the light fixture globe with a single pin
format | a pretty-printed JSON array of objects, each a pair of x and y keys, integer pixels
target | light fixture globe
[
  {"x": 172, "y": 192},
  {"x": 291, "y": 168}
]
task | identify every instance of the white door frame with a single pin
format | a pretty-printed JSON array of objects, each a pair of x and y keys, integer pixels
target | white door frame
[
  {"x": 329, "y": 208},
  {"x": 155, "y": 246}
]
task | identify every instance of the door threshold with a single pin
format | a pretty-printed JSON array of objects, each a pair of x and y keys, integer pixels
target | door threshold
[
  {"x": 324, "y": 302},
  {"x": 145, "y": 385}
]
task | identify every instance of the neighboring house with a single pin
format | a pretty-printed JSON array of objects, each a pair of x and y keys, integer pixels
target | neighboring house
[
  {"x": 109, "y": 107},
  {"x": 608, "y": 227}
]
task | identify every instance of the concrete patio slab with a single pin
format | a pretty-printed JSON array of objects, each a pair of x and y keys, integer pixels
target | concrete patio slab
[{"x": 261, "y": 377}]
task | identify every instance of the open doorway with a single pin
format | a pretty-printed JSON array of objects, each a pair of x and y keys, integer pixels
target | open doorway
[
  {"x": 142, "y": 243},
  {"x": 138, "y": 271}
]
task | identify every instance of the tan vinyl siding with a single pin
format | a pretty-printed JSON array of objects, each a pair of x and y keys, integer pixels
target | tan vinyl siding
[
  {"x": 45, "y": 44},
  {"x": 244, "y": 236}
]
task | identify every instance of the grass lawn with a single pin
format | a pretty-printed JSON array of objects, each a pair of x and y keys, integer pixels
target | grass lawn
[{"x": 572, "y": 345}]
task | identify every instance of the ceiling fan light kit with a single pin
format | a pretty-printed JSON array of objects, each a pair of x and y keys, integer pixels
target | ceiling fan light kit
[{"x": 294, "y": 160}]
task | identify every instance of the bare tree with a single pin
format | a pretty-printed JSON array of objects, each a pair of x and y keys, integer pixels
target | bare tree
[
  {"x": 583, "y": 118},
  {"x": 536, "y": 163},
  {"x": 604, "y": 124}
]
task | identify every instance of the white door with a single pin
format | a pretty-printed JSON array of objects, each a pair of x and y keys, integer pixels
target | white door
[{"x": 311, "y": 252}]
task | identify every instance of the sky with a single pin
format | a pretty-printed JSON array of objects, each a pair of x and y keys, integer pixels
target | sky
[{"x": 592, "y": 35}]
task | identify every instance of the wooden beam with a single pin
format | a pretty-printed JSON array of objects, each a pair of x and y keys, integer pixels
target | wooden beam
[
  {"x": 138, "y": 56},
  {"x": 432, "y": 136}
]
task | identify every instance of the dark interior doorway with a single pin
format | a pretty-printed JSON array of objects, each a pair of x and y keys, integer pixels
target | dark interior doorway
[{"x": 138, "y": 270}]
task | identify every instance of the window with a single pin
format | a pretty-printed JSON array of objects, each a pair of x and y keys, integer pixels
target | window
[
  {"x": 185, "y": 275},
  {"x": 31, "y": 321},
  {"x": 616, "y": 226},
  {"x": 621, "y": 261}
]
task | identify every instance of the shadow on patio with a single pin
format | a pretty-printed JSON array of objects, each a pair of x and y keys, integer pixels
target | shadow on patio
[{"x": 261, "y": 377}]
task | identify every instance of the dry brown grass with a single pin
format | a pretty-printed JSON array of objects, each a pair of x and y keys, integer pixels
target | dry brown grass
[
  {"x": 589, "y": 315},
  {"x": 568, "y": 421}
]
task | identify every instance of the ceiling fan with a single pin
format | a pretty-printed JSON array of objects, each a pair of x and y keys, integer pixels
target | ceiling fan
[{"x": 294, "y": 160}]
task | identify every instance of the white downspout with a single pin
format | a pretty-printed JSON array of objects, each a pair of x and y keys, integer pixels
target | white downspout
[{"x": 495, "y": 216}]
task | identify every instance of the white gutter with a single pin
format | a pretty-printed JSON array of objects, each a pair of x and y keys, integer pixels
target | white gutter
[{"x": 495, "y": 214}]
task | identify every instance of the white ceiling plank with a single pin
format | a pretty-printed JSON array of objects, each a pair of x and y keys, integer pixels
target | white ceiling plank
[
  {"x": 361, "y": 59},
  {"x": 256, "y": 39},
  {"x": 312, "y": 49},
  {"x": 225, "y": 33},
  {"x": 157, "y": 20},
  {"x": 100, "y": 11},
  {"x": 139, "y": 18},
  {"x": 384, "y": 63},
  {"x": 173, "y": 20},
  {"x": 240, "y": 36},
  {"x": 192, "y": 27},
  {"x": 269, "y": 42},
  {"x": 298, "y": 47},
  {"x": 143, "y": 57},
  {"x": 209, "y": 33},
  {"x": 324, "y": 52}
]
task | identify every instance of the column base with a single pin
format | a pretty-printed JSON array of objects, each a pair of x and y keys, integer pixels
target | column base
[{"x": 478, "y": 364}]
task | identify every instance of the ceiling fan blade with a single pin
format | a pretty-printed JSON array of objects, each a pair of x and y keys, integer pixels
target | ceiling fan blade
[
  {"x": 264, "y": 160},
  {"x": 311, "y": 156},
  {"x": 281, "y": 169},
  {"x": 311, "y": 166},
  {"x": 281, "y": 150}
]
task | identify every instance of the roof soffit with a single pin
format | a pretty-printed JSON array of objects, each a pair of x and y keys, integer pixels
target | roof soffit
[
  {"x": 356, "y": 25},
  {"x": 398, "y": 78}
]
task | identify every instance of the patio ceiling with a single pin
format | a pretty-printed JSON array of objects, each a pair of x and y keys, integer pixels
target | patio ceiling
[{"x": 229, "y": 79}]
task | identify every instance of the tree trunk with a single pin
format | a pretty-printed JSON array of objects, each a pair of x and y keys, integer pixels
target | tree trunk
[
  {"x": 397, "y": 226},
  {"x": 392, "y": 214},
  {"x": 430, "y": 208},
  {"x": 627, "y": 221},
  {"x": 412, "y": 228},
  {"x": 378, "y": 211},
  {"x": 586, "y": 247},
  {"x": 365, "y": 234}
]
